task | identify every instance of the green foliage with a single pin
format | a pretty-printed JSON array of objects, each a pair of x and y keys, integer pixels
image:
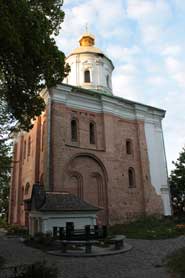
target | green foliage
[
  {"x": 3, "y": 223},
  {"x": 29, "y": 57},
  {"x": 43, "y": 239},
  {"x": 5, "y": 159},
  {"x": 175, "y": 263},
  {"x": 177, "y": 185},
  {"x": 150, "y": 227},
  {"x": 39, "y": 270},
  {"x": 16, "y": 230},
  {"x": 40, "y": 241}
]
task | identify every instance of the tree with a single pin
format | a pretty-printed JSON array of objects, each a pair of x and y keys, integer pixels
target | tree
[
  {"x": 177, "y": 184},
  {"x": 29, "y": 57},
  {"x": 5, "y": 159}
]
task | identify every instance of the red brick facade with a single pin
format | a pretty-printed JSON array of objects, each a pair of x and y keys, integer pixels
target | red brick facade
[{"x": 106, "y": 173}]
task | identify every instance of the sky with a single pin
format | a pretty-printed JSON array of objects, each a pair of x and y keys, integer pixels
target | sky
[{"x": 145, "y": 39}]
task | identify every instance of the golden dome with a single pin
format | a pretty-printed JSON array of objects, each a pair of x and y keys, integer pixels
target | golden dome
[
  {"x": 87, "y": 42},
  {"x": 87, "y": 39}
]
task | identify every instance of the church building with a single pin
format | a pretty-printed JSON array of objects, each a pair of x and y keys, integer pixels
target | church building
[{"x": 91, "y": 157}]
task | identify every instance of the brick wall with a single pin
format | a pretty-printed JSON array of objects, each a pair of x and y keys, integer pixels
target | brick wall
[{"x": 98, "y": 172}]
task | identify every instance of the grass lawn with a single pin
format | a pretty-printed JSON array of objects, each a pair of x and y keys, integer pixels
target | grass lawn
[
  {"x": 176, "y": 263},
  {"x": 151, "y": 228}
]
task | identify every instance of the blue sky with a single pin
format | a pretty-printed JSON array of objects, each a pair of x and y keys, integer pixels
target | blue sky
[{"x": 145, "y": 39}]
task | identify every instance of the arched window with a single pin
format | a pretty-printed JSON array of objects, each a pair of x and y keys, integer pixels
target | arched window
[
  {"x": 128, "y": 146},
  {"x": 27, "y": 188},
  {"x": 29, "y": 146},
  {"x": 87, "y": 76},
  {"x": 131, "y": 177},
  {"x": 74, "y": 130},
  {"x": 108, "y": 81},
  {"x": 92, "y": 136}
]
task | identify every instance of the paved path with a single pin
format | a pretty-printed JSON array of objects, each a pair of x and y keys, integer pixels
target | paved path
[{"x": 144, "y": 260}]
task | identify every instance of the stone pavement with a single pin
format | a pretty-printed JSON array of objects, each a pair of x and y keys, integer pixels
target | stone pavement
[{"x": 144, "y": 260}]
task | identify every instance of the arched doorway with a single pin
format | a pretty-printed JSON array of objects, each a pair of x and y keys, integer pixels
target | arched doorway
[{"x": 85, "y": 173}]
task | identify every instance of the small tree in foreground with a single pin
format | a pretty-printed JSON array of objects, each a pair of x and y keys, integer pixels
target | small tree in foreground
[{"x": 177, "y": 184}]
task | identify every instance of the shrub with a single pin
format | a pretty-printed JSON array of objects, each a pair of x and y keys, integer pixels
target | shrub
[
  {"x": 150, "y": 227},
  {"x": 43, "y": 239},
  {"x": 175, "y": 262},
  {"x": 3, "y": 223},
  {"x": 16, "y": 230},
  {"x": 39, "y": 270}
]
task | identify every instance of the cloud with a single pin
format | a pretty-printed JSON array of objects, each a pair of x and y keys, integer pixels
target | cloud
[
  {"x": 153, "y": 11},
  {"x": 145, "y": 42},
  {"x": 151, "y": 16},
  {"x": 122, "y": 54},
  {"x": 172, "y": 50},
  {"x": 156, "y": 81},
  {"x": 176, "y": 70}
]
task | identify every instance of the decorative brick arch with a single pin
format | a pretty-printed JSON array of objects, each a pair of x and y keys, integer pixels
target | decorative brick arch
[
  {"x": 90, "y": 155},
  {"x": 91, "y": 177}
]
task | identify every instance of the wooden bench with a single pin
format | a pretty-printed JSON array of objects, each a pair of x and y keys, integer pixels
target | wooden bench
[
  {"x": 87, "y": 243},
  {"x": 118, "y": 241}
]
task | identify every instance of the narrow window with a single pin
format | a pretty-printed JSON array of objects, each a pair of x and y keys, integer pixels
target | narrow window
[
  {"x": 108, "y": 81},
  {"x": 29, "y": 146},
  {"x": 131, "y": 177},
  {"x": 24, "y": 152},
  {"x": 129, "y": 146},
  {"x": 87, "y": 76},
  {"x": 27, "y": 188},
  {"x": 74, "y": 131},
  {"x": 92, "y": 133}
]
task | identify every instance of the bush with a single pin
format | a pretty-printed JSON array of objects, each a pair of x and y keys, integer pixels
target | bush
[
  {"x": 44, "y": 239},
  {"x": 175, "y": 262},
  {"x": 3, "y": 223},
  {"x": 16, "y": 230},
  {"x": 39, "y": 270},
  {"x": 150, "y": 227}
]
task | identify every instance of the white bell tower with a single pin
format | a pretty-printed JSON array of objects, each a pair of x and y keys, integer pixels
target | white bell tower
[{"x": 90, "y": 68}]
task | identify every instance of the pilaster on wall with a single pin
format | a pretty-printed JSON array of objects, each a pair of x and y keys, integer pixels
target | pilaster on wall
[
  {"x": 158, "y": 166},
  {"x": 12, "y": 194},
  {"x": 152, "y": 201},
  {"x": 37, "y": 150},
  {"x": 18, "y": 189},
  {"x": 47, "y": 148}
]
